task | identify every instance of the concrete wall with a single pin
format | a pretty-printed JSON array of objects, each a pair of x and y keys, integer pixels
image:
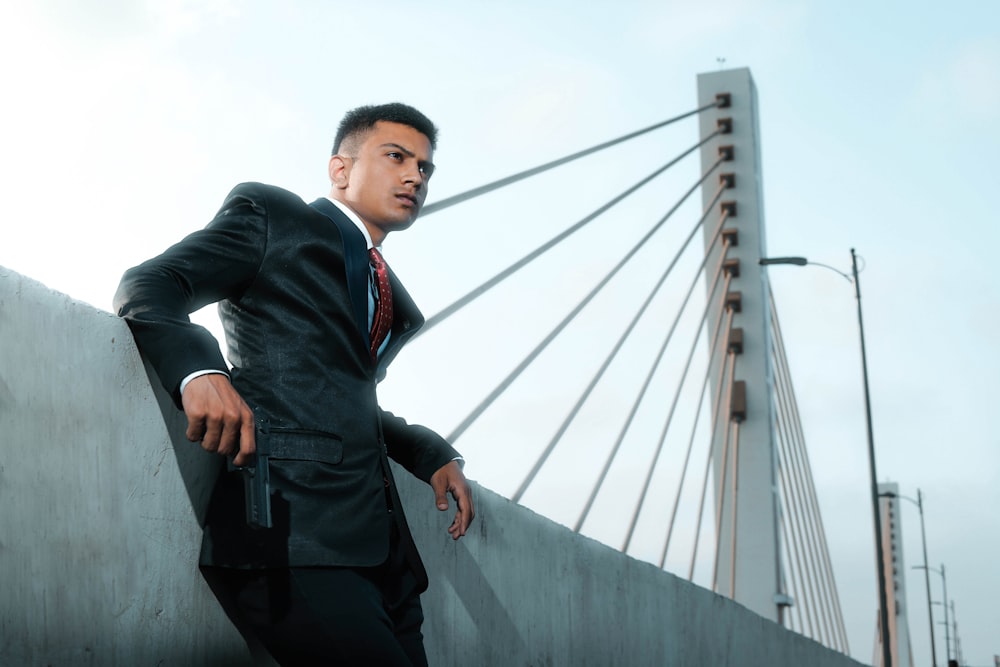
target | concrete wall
[{"x": 99, "y": 537}]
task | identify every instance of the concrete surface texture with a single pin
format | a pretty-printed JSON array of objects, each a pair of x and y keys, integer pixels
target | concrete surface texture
[{"x": 102, "y": 495}]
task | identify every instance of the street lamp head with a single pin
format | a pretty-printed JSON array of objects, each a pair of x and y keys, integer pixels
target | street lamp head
[
  {"x": 797, "y": 261},
  {"x": 892, "y": 495}
]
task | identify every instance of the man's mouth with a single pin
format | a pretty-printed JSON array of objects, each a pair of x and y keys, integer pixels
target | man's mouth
[{"x": 408, "y": 199}]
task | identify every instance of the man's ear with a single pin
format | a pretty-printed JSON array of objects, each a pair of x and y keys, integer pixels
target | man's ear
[{"x": 339, "y": 170}]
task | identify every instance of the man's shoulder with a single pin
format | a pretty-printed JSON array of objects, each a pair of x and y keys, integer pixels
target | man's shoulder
[
  {"x": 264, "y": 192},
  {"x": 268, "y": 202}
]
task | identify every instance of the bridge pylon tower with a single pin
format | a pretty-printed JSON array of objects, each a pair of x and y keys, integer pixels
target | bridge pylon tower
[
  {"x": 892, "y": 546},
  {"x": 745, "y": 460}
]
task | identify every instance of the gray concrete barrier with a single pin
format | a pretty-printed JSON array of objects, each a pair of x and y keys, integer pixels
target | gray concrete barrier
[{"x": 101, "y": 499}]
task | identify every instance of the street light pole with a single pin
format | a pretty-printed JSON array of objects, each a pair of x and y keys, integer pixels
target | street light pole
[
  {"x": 927, "y": 576},
  {"x": 944, "y": 592},
  {"x": 879, "y": 554},
  {"x": 919, "y": 502}
]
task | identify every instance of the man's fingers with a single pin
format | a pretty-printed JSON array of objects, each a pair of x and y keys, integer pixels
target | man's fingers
[
  {"x": 441, "y": 499},
  {"x": 212, "y": 436},
  {"x": 196, "y": 428},
  {"x": 463, "y": 517},
  {"x": 230, "y": 428},
  {"x": 439, "y": 485},
  {"x": 247, "y": 443}
]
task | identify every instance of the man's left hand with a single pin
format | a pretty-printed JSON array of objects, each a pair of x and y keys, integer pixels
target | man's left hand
[{"x": 449, "y": 478}]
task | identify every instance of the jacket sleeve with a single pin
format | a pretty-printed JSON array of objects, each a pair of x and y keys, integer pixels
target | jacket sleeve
[
  {"x": 215, "y": 263},
  {"x": 417, "y": 448}
]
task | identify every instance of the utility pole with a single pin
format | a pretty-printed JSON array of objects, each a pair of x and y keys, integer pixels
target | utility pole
[
  {"x": 919, "y": 502},
  {"x": 947, "y": 637},
  {"x": 879, "y": 555},
  {"x": 954, "y": 634},
  {"x": 927, "y": 576}
]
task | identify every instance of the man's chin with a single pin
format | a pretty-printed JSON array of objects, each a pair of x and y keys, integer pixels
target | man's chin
[{"x": 405, "y": 223}]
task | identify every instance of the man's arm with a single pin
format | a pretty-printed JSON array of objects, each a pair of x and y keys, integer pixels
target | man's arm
[
  {"x": 156, "y": 297},
  {"x": 429, "y": 457}
]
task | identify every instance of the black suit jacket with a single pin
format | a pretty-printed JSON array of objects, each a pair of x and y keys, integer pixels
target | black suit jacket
[{"x": 291, "y": 281}]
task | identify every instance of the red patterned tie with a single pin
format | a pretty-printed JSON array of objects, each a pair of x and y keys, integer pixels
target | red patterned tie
[{"x": 382, "y": 318}]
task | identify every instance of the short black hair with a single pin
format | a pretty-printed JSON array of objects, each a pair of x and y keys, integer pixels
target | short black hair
[{"x": 363, "y": 119}]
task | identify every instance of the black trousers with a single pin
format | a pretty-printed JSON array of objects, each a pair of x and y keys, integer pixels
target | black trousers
[{"x": 327, "y": 615}]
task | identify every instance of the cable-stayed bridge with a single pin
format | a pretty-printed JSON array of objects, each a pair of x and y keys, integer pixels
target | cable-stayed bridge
[
  {"x": 628, "y": 380},
  {"x": 639, "y": 379}
]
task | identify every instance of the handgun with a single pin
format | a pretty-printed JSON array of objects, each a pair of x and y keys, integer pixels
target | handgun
[{"x": 256, "y": 479}]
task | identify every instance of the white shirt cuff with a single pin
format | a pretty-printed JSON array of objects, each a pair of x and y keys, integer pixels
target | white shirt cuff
[{"x": 196, "y": 374}]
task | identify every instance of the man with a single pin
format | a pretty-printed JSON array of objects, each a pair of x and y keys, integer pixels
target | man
[{"x": 312, "y": 317}]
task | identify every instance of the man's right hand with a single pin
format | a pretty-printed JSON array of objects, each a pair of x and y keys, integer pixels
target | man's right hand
[{"x": 219, "y": 417}]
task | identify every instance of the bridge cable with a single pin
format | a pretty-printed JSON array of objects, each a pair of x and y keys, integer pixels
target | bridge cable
[
  {"x": 823, "y": 548},
  {"x": 806, "y": 529},
  {"x": 806, "y": 499},
  {"x": 506, "y": 382},
  {"x": 793, "y": 505},
  {"x": 797, "y": 501},
  {"x": 787, "y": 583},
  {"x": 792, "y": 588},
  {"x": 673, "y": 406},
  {"x": 540, "y": 462},
  {"x": 701, "y": 400},
  {"x": 652, "y": 371},
  {"x": 791, "y": 528},
  {"x": 728, "y": 357},
  {"x": 784, "y": 473},
  {"x": 825, "y": 576},
  {"x": 496, "y": 185},
  {"x": 722, "y": 389},
  {"x": 535, "y": 254},
  {"x": 724, "y": 459},
  {"x": 733, "y": 519},
  {"x": 621, "y": 340}
]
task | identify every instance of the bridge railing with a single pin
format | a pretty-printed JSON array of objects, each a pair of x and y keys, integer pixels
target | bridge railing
[{"x": 100, "y": 532}]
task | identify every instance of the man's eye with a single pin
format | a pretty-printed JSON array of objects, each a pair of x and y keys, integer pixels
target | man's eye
[{"x": 395, "y": 155}]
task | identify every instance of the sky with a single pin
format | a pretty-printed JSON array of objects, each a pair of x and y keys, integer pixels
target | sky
[{"x": 124, "y": 124}]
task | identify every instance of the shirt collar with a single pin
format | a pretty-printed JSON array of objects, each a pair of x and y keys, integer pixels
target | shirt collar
[{"x": 353, "y": 217}]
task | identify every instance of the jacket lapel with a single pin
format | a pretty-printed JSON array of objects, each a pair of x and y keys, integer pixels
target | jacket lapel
[
  {"x": 355, "y": 262},
  {"x": 406, "y": 319}
]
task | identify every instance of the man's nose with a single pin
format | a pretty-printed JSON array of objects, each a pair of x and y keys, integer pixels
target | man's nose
[{"x": 412, "y": 174}]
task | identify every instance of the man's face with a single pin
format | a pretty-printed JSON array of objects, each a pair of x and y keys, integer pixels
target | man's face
[{"x": 383, "y": 178}]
